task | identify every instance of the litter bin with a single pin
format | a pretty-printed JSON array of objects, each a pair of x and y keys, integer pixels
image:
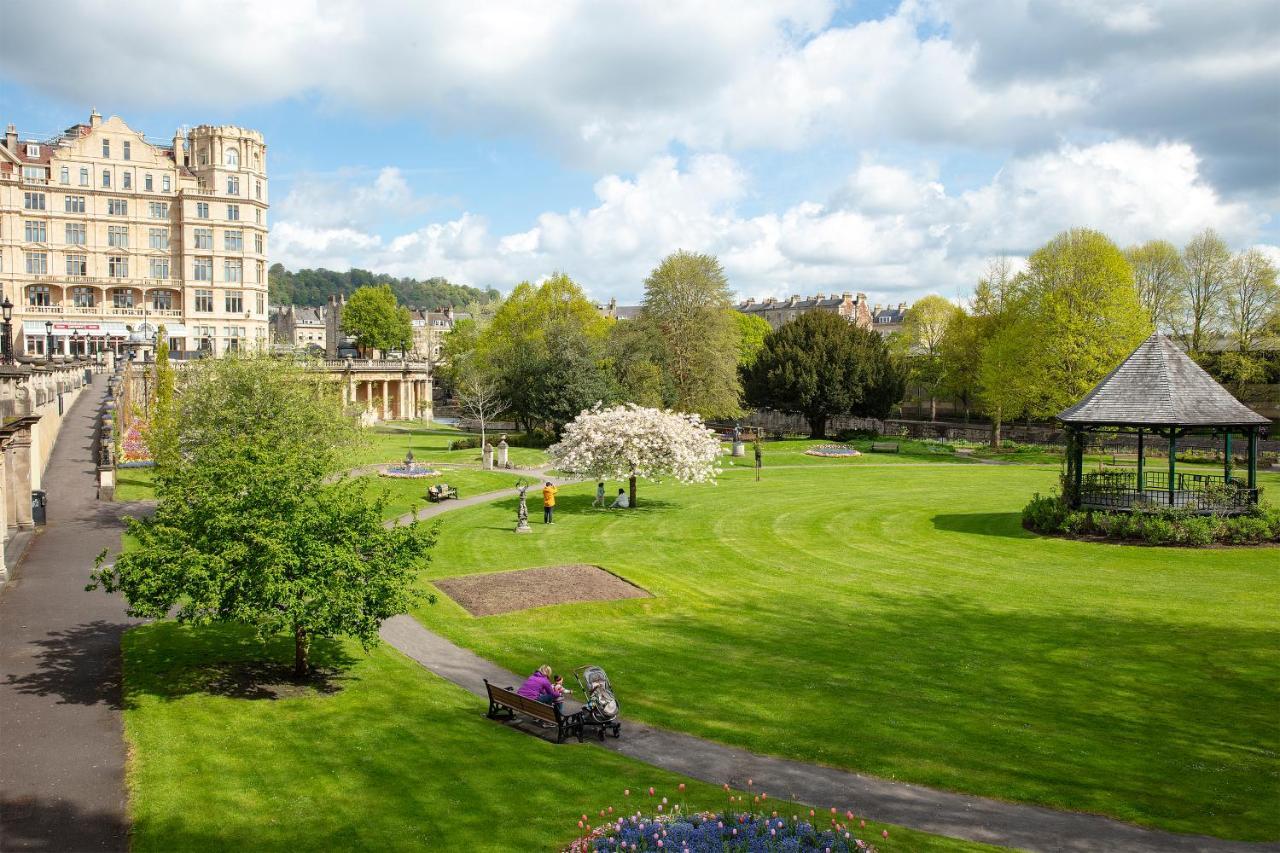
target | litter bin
[{"x": 38, "y": 500}]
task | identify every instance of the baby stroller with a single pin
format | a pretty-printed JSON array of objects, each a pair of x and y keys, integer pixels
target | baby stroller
[{"x": 600, "y": 706}]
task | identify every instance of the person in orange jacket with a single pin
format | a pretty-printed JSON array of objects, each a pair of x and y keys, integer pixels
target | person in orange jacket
[{"x": 548, "y": 502}]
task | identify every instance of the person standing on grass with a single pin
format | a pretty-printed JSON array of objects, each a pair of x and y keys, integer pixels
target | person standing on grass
[
  {"x": 548, "y": 502},
  {"x": 599, "y": 501}
]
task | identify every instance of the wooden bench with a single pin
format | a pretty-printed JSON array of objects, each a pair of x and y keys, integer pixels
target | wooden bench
[
  {"x": 506, "y": 703},
  {"x": 444, "y": 495},
  {"x": 884, "y": 447}
]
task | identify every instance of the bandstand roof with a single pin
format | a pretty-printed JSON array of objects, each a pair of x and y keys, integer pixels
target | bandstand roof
[{"x": 1159, "y": 385}]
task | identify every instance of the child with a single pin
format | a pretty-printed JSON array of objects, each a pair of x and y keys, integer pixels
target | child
[{"x": 599, "y": 501}]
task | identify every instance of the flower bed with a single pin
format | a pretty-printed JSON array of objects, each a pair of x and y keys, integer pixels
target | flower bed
[
  {"x": 133, "y": 444},
  {"x": 1051, "y": 514},
  {"x": 729, "y": 830},
  {"x": 417, "y": 471},
  {"x": 837, "y": 451}
]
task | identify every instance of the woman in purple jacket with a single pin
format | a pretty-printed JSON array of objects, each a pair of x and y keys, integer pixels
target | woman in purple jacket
[{"x": 538, "y": 687}]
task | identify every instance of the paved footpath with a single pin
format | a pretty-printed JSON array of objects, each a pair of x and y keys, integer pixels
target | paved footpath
[
  {"x": 62, "y": 751},
  {"x": 940, "y": 812}
]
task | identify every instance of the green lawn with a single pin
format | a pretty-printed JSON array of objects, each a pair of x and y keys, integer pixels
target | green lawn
[
  {"x": 404, "y": 494},
  {"x": 397, "y": 759},
  {"x": 896, "y": 619},
  {"x": 429, "y": 443},
  {"x": 134, "y": 484}
]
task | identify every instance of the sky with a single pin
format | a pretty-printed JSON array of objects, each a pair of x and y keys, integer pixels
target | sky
[{"x": 813, "y": 146}]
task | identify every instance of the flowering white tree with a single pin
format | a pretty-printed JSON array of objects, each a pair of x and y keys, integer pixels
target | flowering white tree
[{"x": 632, "y": 441}]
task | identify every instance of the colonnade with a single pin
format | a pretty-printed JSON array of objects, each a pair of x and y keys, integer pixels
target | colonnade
[{"x": 388, "y": 398}]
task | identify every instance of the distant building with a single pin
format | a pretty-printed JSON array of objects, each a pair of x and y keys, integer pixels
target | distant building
[
  {"x": 430, "y": 328},
  {"x": 888, "y": 320},
  {"x": 778, "y": 312},
  {"x": 298, "y": 326},
  {"x": 614, "y": 311}
]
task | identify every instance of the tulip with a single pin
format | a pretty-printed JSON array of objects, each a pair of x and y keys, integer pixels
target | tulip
[
  {"x": 884, "y": 833},
  {"x": 680, "y": 786}
]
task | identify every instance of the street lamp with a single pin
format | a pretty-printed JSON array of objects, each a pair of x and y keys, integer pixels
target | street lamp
[
  {"x": 48, "y": 340},
  {"x": 6, "y": 310},
  {"x": 75, "y": 342}
]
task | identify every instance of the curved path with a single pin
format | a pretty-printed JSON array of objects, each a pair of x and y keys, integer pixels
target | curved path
[{"x": 956, "y": 815}]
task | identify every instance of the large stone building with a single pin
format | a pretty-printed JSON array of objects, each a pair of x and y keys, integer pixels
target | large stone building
[
  {"x": 299, "y": 326},
  {"x": 777, "y": 312},
  {"x": 103, "y": 231},
  {"x": 888, "y": 319}
]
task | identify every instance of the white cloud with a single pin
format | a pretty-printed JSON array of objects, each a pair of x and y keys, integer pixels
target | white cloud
[
  {"x": 334, "y": 201},
  {"x": 889, "y": 231}
]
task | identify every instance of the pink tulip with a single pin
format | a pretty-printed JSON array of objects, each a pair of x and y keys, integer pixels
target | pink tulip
[
  {"x": 680, "y": 786},
  {"x": 651, "y": 791},
  {"x": 884, "y": 833}
]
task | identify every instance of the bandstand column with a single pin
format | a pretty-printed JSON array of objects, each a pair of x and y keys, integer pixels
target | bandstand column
[
  {"x": 1173, "y": 459},
  {"x": 1253, "y": 458},
  {"x": 1142, "y": 462},
  {"x": 1226, "y": 455}
]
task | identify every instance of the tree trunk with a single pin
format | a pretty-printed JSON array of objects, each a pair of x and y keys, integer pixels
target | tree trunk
[
  {"x": 817, "y": 426},
  {"x": 632, "y": 484},
  {"x": 995, "y": 430},
  {"x": 301, "y": 652},
  {"x": 933, "y": 408}
]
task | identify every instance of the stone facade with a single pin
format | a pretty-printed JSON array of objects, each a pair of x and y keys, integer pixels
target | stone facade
[
  {"x": 888, "y": 319},
  {"x": 778, "y": 312},
  {"x": 299, "y": 327},
  {"x": 102, "y": 229}
]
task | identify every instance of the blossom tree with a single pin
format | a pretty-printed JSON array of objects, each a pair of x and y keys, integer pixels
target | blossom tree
[{"x": 633, "y": 441}]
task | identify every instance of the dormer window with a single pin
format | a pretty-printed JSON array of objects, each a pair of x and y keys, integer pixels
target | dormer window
[{"x": 33, "y": 150}]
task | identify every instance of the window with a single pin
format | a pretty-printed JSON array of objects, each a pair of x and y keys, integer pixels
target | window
[
  {"x": 147, "y": 183},
  {"x": 122, "y": 298},
  {"x": 117, "y": 266},
  {"x": 234, "y": 301},
  {"x": 126, "y": 149},
  {"x": 118, "y": 236},
  {"x": 262, "y": 272},
  {"x": 203, "y": 270},
  {"x": 257, "y": 190},
  {"x": 164, "y": 183},
  {"x": 35, "y": 232},
  {"x": 257, "y": 214},
  {"x": 159, "y": 267},
  {"x": 73, "y": 203},
  {"x": 261, "y": 302},
  {"x": 64, "y": 175},
  {"x": 37, "y": 263},
  {"x": 82, "y": 297},
  {"x": 233, "y": 186},
  {"x": 232, "y": 270},
  {"x": 38, "y": 295},
  {"x": 77, "y": 266},
  {"x": 34, "y": 173},
  {"x": 233, "y": 241},
  {"x": 233, "y": 212},
  {"x": 204, "y": 238},
  {"x": 234, "y": 336},
  {"x": 33, "y": 150},
  {"x": 158, "y": 238},
  {"x": 257, "y": 243},
  {"x": 204, "y": 303},
  {"x": 158, "y": 210},
  {"x": 162, "y": 300},
  {"x": 202, "y": 210},
  {"x": 232, "y": 157},
  {"x": 84, "y": 177},
  {"x": 33, "y": 201},
  {"x": 106, "y": 148},
  {"x": 118, "y": 206},
  {"x": 35, "y": 345},
  {"x": 128, "y": 180},
  {"x": 75, "y": 233},
  {"x": 106, "y": 178}
]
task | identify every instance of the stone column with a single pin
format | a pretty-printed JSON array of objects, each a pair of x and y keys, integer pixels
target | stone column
[
  {"x": 5, "y": 495},
  {"x": 22, "y": 479},
  {"x": 352, "y": 390},
  {"x": 11, "y": 490},
  {"x": 385, "y": 411}
]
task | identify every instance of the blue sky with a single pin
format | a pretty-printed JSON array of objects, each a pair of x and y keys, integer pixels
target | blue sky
[{"x": 883, "y": 147}]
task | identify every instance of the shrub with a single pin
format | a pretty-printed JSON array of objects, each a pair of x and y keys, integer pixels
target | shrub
[
  {"x": 1045, "y": 514},
  {"x": 469, "y": 443},
  {"x": 855, "y": 434},
  {"x": 1050, "y": 514}
]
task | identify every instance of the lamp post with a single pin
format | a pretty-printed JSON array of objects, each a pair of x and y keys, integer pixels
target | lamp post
[
  {"x": 6, "y": 345},
  {"x": 48, "y": 340},
  {"x": 75, "y": 342}
]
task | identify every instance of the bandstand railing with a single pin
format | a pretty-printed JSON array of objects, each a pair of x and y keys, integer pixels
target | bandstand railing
[{"x": 1206, "y": 493}]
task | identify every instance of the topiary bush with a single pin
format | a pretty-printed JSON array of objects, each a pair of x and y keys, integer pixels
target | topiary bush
[{"x": 1051, "y": 515}]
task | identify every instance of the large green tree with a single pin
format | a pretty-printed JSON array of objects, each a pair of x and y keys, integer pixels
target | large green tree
[
  {"x": 572, "y": 378},
  {"x": 1206, "y": 262},
  {"x": 820, "y": 365},
  {"x": 924, "y": 331},
  {"x": 961, "y": 355},
  {"x": 752, "y": 330},
  {"x": 377, "y": 322},
  {"x": 314, "y": 287},
  {"x": 251, "y": 526},
  {"x": 688, "y": 306},
  {"x": 1252, "y": 297},
  {"x": 1158, "y": 276}
]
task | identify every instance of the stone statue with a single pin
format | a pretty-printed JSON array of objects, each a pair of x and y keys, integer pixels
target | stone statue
[{"x": 522, "y": 514}]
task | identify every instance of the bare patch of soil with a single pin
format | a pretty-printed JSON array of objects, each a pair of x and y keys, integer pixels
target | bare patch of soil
[{"x": 506, "y": 592}]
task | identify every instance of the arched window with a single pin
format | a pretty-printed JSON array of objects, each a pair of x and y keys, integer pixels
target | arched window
[{"x": 232, "y": 157}]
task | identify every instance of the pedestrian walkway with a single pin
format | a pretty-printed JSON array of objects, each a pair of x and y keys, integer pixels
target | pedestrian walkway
[
  {"x": 973, "y": 818},
  {"x": 62, "y": 751}
]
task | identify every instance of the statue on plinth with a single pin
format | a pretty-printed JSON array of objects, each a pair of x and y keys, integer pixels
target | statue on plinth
[{"x": 522, "y": 514}]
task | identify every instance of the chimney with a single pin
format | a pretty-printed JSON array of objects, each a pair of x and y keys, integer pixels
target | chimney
[
  {"x": 862, "y": 297},
  {"x": 94, "y": 118},
  {"x": 902, "y": 306},
  {"x": 846, "y": 296},
  {"x": 751, "y": 300},
  {"x": 179, "y": 158},
  {"x": 11, "y": 138},
  {"x": 820, "y": 296}
]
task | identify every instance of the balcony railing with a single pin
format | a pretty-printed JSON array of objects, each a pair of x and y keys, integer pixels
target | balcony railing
[{"x": 104, "y": 311}]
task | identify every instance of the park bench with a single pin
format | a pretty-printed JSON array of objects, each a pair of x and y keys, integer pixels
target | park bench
[
  {"x": 442, "y": 495},
  {"x": 884, "y": 447},
  {"x": 504, "y": 702}
]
